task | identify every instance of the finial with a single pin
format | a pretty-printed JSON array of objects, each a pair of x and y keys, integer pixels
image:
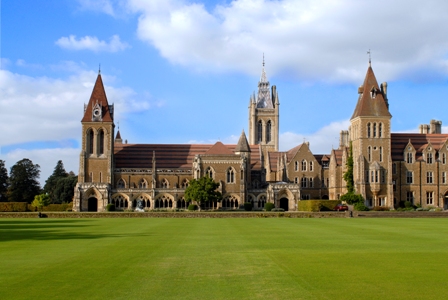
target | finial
[
  {"x": 118, "y": 125},
  {"x": 370, "y": 57},
  {"x": 263, "y": 59},
  {"x": 99, "y": 69}
]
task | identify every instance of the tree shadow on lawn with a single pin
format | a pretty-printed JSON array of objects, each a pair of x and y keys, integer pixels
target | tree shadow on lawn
[{"x": 42, "y": 230}]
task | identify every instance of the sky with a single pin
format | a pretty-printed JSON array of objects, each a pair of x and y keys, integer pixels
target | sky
[{"x": 182, "y": 71}]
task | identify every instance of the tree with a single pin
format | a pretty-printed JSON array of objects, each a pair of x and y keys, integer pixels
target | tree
[
  {"x": 51, "y": 183},
  {"x": 40, "y": 201},
  {"x": 23, "y": 181},
  {"x": 348, "y": 175},
  {"x": 202, "y": 190},
  {"x": 3, "y": 181},
  {"x": 65, "y": 189}
]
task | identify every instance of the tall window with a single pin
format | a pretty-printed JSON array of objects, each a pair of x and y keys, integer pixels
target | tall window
[
  {"x": 443, "y": 158},
  {"x": 311, "y": 166},
  {"x": 443, "y": 177},
  {"x": 230, "y": 176},
  {"x": 311, "y": 182},
  {"x": 374, "y": 129},
  {"x": 381, "y": 153},
  {"x": 296, "y": 166},
  {"x": 143, "y": 184},
  {"x": 410, "y": 197},
  {"x": 268, "y": 131},
  {"x": 380, "y": 129},
  {"x": 428, "y": 177},
  {"x": 90, "y": 140},
  {"x": 303, "y": 165},
  {"x": 408, "y": 176},
  {"x": 429, "y": 197},
  {"x": 368, "y": 129},
  {"x": 303, "y": 182},
  {"x": 369, "y": 153},
  {"x": 185, "y": 183},
  {"x": 209, "y": 172},
  {"x": 429, "y": 158},
  {"x": 409, "y": 157},
  {"x": 383, "y": 176},
  {"x": 101, "y": 142},
  {"x": 260, "y": 131}
]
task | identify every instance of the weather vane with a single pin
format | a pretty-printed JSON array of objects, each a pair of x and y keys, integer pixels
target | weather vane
[{"x": 370, "y": 57}]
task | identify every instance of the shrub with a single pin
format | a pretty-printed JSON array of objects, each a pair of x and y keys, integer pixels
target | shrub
[
  {"x": 317, "y": 205},
  {"x": 269, "y": 206},
  {"x": 360, "y": 207},
  {"x": 13, "y": 206},
  {"x": 352, "y": 198},
  {"x": 278, "y": 209},
  {"x": 408, "y": 204},
  {"x": 192, "y": 207},
  {"x": 110, "y": 207},
  {"x": 247, "y": 206},
  {"x": 381, "y": 208}
]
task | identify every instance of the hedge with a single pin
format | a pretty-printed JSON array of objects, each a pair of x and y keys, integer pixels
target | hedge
[
  {"x": 58, "y": 207},
  {"x": 13, "y": 206},
  {"x": 317, "y": 205}
]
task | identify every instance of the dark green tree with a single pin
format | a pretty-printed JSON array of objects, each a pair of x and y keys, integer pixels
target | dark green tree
[
  {"x": 348, "y": 175},
  {"x": 202, "y": 190},
  {"x": 23, "y": 184},
  {"x": 51, "y": 183},
  {"x": 3, "y": 181},
  {"x": 65, "y": 189}
]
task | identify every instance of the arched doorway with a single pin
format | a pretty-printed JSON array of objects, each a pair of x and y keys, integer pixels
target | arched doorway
[
  {"x": 284, "y": 203},
  {"x": 92, "y": 204}
]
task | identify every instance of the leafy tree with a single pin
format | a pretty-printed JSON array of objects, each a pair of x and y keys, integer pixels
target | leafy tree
[
  {"x": 51, "y": 183},
  {"x": 23, "y": 184},
  {"x": 3, "y": 181},
  {"x": 348, "y": 175},
  {"x": 202, "y": 190},
  {"x": 41, "y": 201},
  {"x": 64, "y": 190}
]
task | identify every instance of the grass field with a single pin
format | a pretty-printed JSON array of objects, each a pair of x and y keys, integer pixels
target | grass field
[{"x": 223, "y": 258}]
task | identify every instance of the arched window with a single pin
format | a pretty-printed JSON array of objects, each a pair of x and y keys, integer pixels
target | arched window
[
  {"x": 303, "y": 182},
  {"x": 230, "y": 176},
  {"x": 260, "y": 131},
  {"x": 369, "y": 153},
  {"x": 185, "y": 183},
  {"x": 209, "y": 172},
  {"x": 261, "y": 201},
  {"x": 165, "y": 184},
  {"x": 380, "y": 130},
  {"x": 268, "y": 131},
  {"x": 101, "y": 142},
  {"x": 143, "y": 184},
  {"x": 90, "y": 141},
  {"x": 443, "y": 158},
  {"x": 121, "y": 184},
  {"x": 374, "y": 129},
  {"x": 311, "y": 182},
  {"x": 296, "y": 166},
  {"x": 311, "y": 166},
  {"x": 303, "y": 165},
  {"x": 368, "y": 130}
]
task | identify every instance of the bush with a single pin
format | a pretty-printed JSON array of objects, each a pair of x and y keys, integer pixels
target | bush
[
  {"x": 269, "y": 206},
  {"x": 278, "y": 209},
  {"x": 317, "y": 205},
  {"x": 381, "y": 208},
  {"x": 110, "y": 207},
  {"x": 192, "y": 207},
  {"x": 13, "y": 206},
  {"x": 360, "y": 207},
  {"x": 247, "y": 206},
  {"x": 352, "y": 198},
  {"x": 408, "y": 204}
]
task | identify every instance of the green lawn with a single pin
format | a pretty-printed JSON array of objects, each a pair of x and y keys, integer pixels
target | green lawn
[{"x": 223, "y": 258}]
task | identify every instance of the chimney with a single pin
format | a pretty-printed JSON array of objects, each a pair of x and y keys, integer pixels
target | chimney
[
  {"x": 424, "y": 128},
  {"x": 435, "y": 126},
  {"x": 343, "y": 139}
]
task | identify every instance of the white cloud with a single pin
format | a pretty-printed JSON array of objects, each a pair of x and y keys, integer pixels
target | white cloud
[
  {"x": 321, "y": 142},
  {"x": 92, "y": 43},
  {"x": 105, "y": 6},
  {"x": 46, "y": 159},
  {"x": 46, "y": 109},
  {"x": 317, "y": 40}
]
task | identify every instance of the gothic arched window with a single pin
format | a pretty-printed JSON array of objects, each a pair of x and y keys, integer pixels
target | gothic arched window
[
  {"x": 230, "y": 176},
  {"x": 368, "y": 130},
  {"x": 90, "y": 141},
  {"x": 165, "y": 184},
  {"x": 209, "y": 172},
  {"x": 121, "y": 184},
  {"x": 268, "y": 131},
  {"x": 101, "y": 142},
  {"x": 380, "y": 130},
  {"x": 260, "y": 131}
]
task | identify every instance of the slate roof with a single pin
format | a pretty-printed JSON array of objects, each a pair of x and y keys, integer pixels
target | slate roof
[{"x": 420, "y": 141}]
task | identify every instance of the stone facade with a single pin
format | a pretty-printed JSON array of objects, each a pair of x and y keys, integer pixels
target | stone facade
[{"x": 388, "y": 167}]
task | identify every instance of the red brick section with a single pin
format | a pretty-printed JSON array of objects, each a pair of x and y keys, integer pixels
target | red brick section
[
  {"x": 368, "y": 106},
  {"x": 99, "y": 94},
  {"x": 399, "y": 142}
]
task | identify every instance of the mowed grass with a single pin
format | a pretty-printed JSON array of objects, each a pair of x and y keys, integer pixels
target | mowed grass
[{"x": 223, "y": 258}]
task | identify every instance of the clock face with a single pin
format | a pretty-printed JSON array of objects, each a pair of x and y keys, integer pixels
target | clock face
[{"x": 96, "y": 112}]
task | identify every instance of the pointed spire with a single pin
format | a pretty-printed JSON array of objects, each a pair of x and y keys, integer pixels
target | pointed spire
[
  {"x": 243, "y": 145},
  {"x": 118, "y": 137},
  {"x": 98, "y": 104},
  {"x": 264, "y": 99}
]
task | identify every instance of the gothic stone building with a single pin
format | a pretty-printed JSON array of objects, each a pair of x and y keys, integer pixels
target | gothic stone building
[{"x": 388, "y": 167}]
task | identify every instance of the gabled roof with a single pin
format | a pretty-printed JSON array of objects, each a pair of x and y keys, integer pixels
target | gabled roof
[
  {"x": 243, "y": 145},
  {"x": 118, "y": 136},
  {"x": 371, "y": 102},
  {"x": 419, "y": 141},
  {"x": 98, "y": 96},
  {"x": 219, "y": 149}
]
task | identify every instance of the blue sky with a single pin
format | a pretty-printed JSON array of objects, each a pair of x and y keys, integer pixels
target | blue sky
[{"x": 181, "y": 71}]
